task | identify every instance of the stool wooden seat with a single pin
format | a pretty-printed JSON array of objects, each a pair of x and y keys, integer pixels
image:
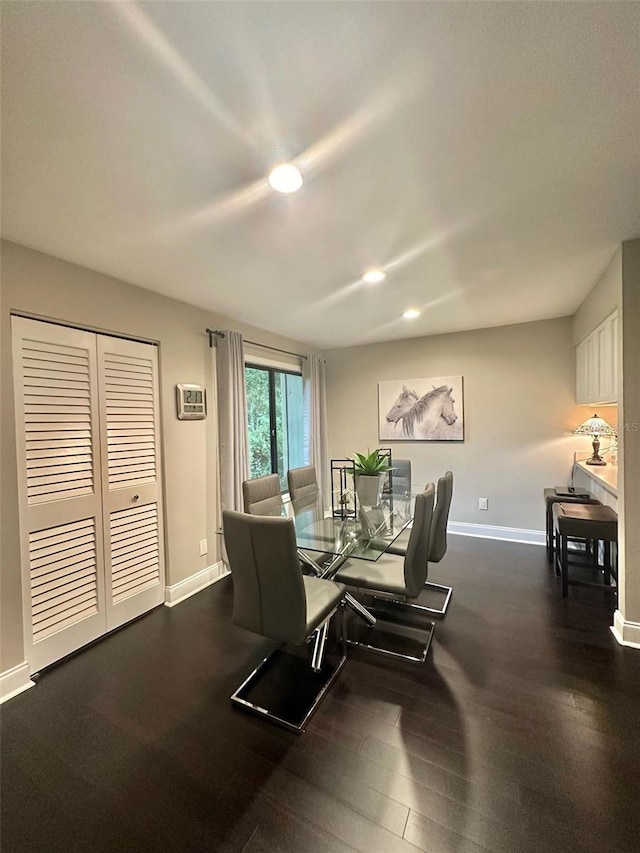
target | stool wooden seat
[
  {"x": 556, "y": 495},
  {"x": 589, "y": 524}
]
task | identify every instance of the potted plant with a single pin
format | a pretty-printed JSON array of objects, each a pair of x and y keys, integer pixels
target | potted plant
[{"x": 369, "y": 472}]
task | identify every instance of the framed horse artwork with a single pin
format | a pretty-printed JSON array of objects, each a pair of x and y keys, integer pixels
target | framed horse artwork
[{"x": 421, "y": 409}]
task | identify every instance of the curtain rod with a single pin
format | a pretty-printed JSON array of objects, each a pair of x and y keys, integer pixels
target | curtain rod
[{"x": 212, "y": 332}]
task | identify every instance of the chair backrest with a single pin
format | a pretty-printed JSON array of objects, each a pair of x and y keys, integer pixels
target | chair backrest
[
  {"x": 416, "y": 561},
  {"x": 303, "y": 482},
  {"x": 438, "y": 543},
  {"x": 401, "y": 476},
  {"x": 262, "y": 495},
  {"x": 268, "y": 590}
]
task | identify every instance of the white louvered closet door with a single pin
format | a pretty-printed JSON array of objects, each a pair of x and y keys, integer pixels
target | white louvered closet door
[
  {"x": 134, "y": 574},
  {"x": 61, "y": 523}
]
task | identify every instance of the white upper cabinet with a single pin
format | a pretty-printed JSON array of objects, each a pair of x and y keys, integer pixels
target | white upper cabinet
[{"x": 597, "y": 364}]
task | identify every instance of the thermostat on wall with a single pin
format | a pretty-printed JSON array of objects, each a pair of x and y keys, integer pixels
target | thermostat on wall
[{"x": 191, "y": 402}]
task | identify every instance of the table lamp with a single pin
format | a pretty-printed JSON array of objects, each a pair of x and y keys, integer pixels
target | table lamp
[{"x": 596, "y": 427}]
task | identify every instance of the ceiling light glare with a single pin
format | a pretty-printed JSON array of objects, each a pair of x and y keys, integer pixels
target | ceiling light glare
[
  {"x": 411, "y": 314},
  {"x": 374, "y": 275},
  {"x": 285, "y": 178}
]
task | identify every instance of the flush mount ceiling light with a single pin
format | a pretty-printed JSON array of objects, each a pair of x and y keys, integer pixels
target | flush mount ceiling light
[
  {"x": 411, "y": 314},
  {"x": 285, "y": 178},
  {"x": 374, "y": 275}
]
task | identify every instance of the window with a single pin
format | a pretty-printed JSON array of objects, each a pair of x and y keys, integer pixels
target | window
[{"x": 275, "y": 417}]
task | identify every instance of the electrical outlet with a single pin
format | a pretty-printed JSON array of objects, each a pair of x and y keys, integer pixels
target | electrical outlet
[
  {"x": 203, "y": 547},
  {"x": 483, "y": 503}
]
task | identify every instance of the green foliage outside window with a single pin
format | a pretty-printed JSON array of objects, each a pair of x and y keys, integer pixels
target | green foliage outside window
[{"x": 285, "y": 449}]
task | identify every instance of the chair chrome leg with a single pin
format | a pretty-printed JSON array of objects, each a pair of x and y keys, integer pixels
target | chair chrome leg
[
  {"x": 421, "y": 658},
  {"x": 343, "y": 627},
  {"x": 437, "y": 612},
  {"x": 309, "y": 561},
  {"x": 246, "y": 705},
  {"x": 318, "y": 647},
  {"x": 389, "y": 610},
  {"x": 324, "y": 682},
  {"x": 360, "y": 609}
]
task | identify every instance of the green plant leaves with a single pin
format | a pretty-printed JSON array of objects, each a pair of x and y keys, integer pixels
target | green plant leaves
[{"x": 370, "y": 463}]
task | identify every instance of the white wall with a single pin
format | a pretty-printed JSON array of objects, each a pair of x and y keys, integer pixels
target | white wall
[
  {"x": 519, "y": 409},
  {"x": 603, "y": 299},
  {"x": 44, "y": 287},
  {"x": 627, "y": 618}
]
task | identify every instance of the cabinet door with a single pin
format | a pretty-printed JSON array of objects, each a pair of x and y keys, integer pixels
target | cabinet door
[
  {"x": 603, "y": 348},
  {"x": 587, "y": 371},
  {"x": 592, "y": 369},
  {"x": 597, "y": 364},
  {"x": 607, "y": 351},
  {"x": 610, "y": 370},
  {"x": 582, "y": 373}
]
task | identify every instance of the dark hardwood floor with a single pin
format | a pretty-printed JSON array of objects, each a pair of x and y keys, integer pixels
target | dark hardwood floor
[{"x": 521, "y": 733}]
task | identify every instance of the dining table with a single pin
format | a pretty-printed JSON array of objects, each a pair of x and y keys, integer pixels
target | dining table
[{"x": 326, "y": 540}]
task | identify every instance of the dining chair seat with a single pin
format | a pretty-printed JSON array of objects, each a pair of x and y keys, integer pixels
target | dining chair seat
[
  {"x": 321, "y": 598},
  {"x": 387, "y": 573}
]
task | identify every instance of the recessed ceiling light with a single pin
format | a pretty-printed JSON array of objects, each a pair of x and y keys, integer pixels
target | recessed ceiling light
[
  {"x": 285, "y": 178},
  {"x": 374, "y": 275},
  {"x": 411, "y": 314}
]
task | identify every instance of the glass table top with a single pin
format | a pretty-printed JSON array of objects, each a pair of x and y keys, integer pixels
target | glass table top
[{"x": 365, "y": 536}]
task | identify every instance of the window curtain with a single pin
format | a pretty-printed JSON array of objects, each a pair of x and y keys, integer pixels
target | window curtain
[
  {"x": 233, "y": 441},
  {"x": 315, "y": 417}
]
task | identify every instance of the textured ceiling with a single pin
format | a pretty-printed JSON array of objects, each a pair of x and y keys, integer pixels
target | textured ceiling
[{"x": 484, "y": 154}]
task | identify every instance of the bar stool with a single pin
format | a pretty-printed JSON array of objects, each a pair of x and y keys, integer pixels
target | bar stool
[
  {"x": 561, "y": 494},
  {"x": 589, "y": 524}
]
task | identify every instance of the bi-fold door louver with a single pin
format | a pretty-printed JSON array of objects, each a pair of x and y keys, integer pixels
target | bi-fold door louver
[
  {"x": 57, "y": 421},
  {"x": 130, "y": 415},
  {"x": 135, "y": 557},
  {"x": 64, "y": 584}
]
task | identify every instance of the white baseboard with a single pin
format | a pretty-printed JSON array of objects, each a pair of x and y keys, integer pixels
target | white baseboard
[
  {"x": 506, "y": 534},
  {"x": 14, "y": 681},
  {"x": 188, "y": 587},
  {"x": 626, "y": 633}
]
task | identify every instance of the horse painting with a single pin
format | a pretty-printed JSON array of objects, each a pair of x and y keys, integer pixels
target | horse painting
[
  {"x": 430, "y": 416},
  {"x": 404, "y": 402}
]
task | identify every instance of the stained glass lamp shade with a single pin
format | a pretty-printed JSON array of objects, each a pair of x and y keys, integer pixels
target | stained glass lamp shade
[{"x": 596, "y": 427}]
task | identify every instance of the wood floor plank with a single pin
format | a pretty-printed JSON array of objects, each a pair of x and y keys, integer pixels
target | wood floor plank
[
  {"x": 434, "y": 838},
  {"x": 277, "y": 829},
  {"x": 366, "y": 801}
]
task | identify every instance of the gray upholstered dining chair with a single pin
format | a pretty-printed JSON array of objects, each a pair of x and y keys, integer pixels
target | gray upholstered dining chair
[
  {"x": 399, "y": 581},
  {"x": 262, "y": 495},
  {"x": 272, "y": 597},
  {"x": 400, "y": 482},
  {"x": 438, "y": 540},
  {"x": 303, "y": 483},
  {"x": 304, "y": 493}
]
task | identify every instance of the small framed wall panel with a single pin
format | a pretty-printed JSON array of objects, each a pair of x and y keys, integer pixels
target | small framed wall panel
[{"x": 191, "y": 402}]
